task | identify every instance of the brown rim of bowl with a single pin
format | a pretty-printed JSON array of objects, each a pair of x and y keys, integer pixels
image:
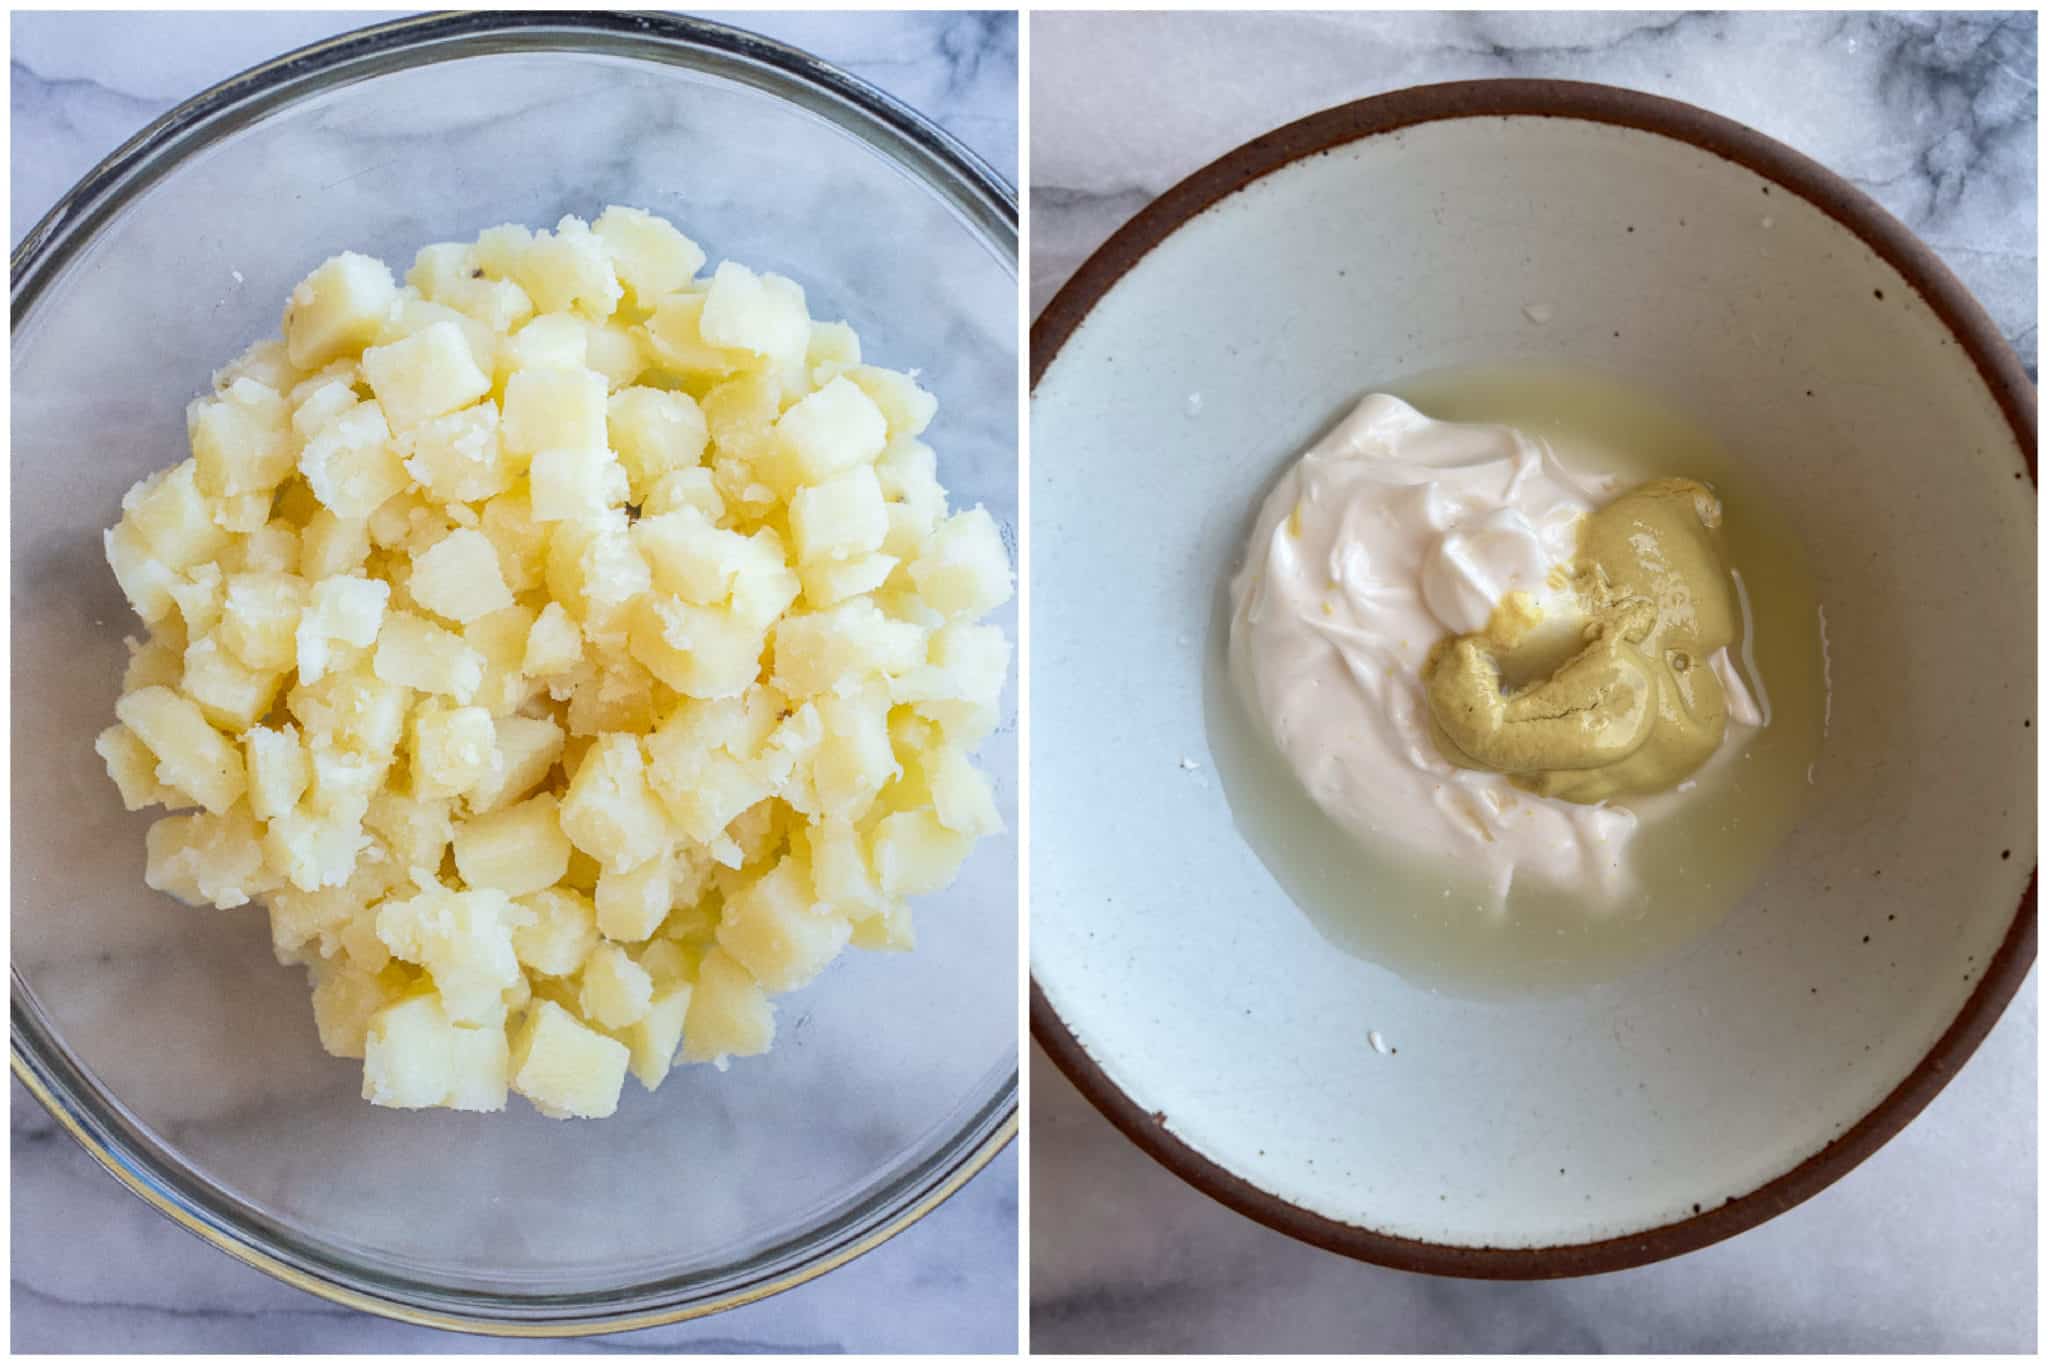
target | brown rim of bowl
[{"x": 2002, "y": 374}]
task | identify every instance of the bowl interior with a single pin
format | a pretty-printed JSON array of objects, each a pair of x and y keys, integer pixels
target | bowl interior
[
  {"x": 1165, "y": 946},
  {"x": 182, "y": 1015}
]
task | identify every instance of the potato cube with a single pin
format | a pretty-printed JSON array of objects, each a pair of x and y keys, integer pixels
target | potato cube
[
  {"x": 449, "y": 274},
  {"x": 332, "y": 545},
  {"x": 553, "y": 645},
  {"x": 457, "y": 458},
  {"x": 728, "y": 1015},
  {"x": 463, "y": 939},
  {"x": 594, "y": 569},
  {"x": 908, "y": 408},
  {"x": 356, "y": 710},
  {"x": 312, "y": 850},
  {"x": 962, "y": 799},
  {"x": 517, "y": 850},
  {"x": 854, "y": 760},
  {"x": 528, "y": 749},
  {"x": 834, "y": 347},
  {"x": 632, "y": 903},
  {"x": 689, "y": 557},
  {"x": 459, "y": 578},
  {"x": 171, "y": 520},
  {"x": 964, "y": 571},
  {"x": 415, "y": 1056},
  {"x": 615, "y": 990},
  {"x": 817, "y": 652},
  {"x": 344, "y": 610},
  {"x": 650, "y": 256},
  {"x": 132, "y": 766},
  {"x": 653, "y": 1039},
  {"x": 145, "y": 579},
  {"x": 566, "y": 1068},
  {"x": 610, "y": 813},
  {"x": 698, "y": 651},
  {"x": 675, "y": 339},
  {"x": 764, "y": 314},
  {"x": 553, "y": 409},
  {"x": 841, "y": 518},
  {"x": 560, "y": 931},
  {"x": 840, "y": 870},
  {"x": 208, "y": 859},
  {"x": 263, "y": 361},
  {"x": 453, "y": 749},
  {"x": 241, "y": 440},
  {"x": 426, "y": 375},
  {"x": 552, "y": 341},
  {"x": 828, "y": 582},
  {"x": 279, "y": 771},
  {"x": 416, "y": 829},
  {"x": 198, "y": 595},
  {"x": 914, "y": 854},
  {"x": 967, "y": 663},
  {"x": 832, "y": 430},
  {"x": 345, "y": 999},
  {"x": 777, "y": 929},
  {"x": 192, "y": 757},
  {"x": 617, "y": 696},
  {"x": 575, "y": 483},
  {"x": 241, "y": 513},
  {"x": 568, "y": 269},
  {"x": 337, "y": 310},
  {"x": 888, "y": 930},
  {"x": 655, "y": 432},
  {"x": 414, "y": 652},
  {"x": 260, "y": 618},
  {"x": 522, "y": 542},
  {"x": 350, "y": 464},
  {"x": 159, "y": 663},
  {"x": 682, "y": 488}
]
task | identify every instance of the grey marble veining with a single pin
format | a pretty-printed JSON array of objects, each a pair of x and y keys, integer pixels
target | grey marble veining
[
  {"x": 1930, "y": 1245},
  {"x": 95, "y": 1269}
]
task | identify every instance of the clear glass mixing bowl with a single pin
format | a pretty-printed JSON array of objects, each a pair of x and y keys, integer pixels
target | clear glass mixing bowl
[{"x": 167, "y": 1039}]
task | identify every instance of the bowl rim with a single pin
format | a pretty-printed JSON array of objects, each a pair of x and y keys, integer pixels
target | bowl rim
[
  {"x": 39, "y": 1059},
  {"x": 1996, "y": 363}
]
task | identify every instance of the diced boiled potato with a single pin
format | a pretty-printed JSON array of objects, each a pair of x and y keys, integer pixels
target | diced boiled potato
[
  {"x": 832, "y": 430},
  {"x": 615, "y": 351},
  {"x": 312, "y": 850},
  {"x": 356, "y": 710},
  {"x": 415, "y": 828},
  {"x": 595, "y": 571},
  {"x": 463, "y": 939},
  {"x": 528, "y": 748},
  {"x": 146, "y": 581},
  {"x": 854, "y": 760},
  {"x": 675, "y": 338},
  {"x": 260, "y": 618},
  {"x": 415, "y": 1056},
  {"x": 522, "y": 542},
  {"x": 840, "y": 870},
  {"x": 337, "y": 310},
  {"x": 964, "y": 570},
  {"x": 553, "y": 409},
  {"x": 914, "y": 854},
  {"x": 279, "y": 771},
  {"x": 609, "y": 812},
  {"x": 560, "y": 931},
  {"x": 961, "y": 797},
  {"x": 345, "y": 610},
  {"x": 764, "y": 314},
  {"x": 778, "y": 929},
  {"x": 698, "y": 651},
  {"x": 840, "y": 518},
  {"x": 453, "y": 749},
  {"x": 568, "y": 269},
  {"x": 332, "y": 545},
  {"x": 554, "y": 645},
  {"x": 208, "y": 859},
  {"x": 818, "y": 651},
  {"x": 158, "y": 663},
  {"x": 616, "y": 696},
  {"x": 568, "y": 1069},
  {"x": 653, "y": 1039},
  {"x": 198, "y": 595},
  {"x": 345, "y": 999},
  {"x": 575, "y": 483},
  {"x": 728, "y": 1015},
  {"x": 517, "y": 850},
  {"x": 132, "y": 766},
  {"x": 192, "y": 757},
  {"x": 650, "y": 256},
  {"x": 414, "y": 652},
  {"x": 232, "y": 695},
  {"x": 241, "y": 440},
  {"x": 888, "y": 930},
  {"x": 459, "y": 578},
  {"x": 908, "y": 408},
  {"x": 449, "y": 273},
  {"x": 616, "y": 991},
  {"x": 684, "y": 488},
  {"x": 834, "y": 347},
  {"x": 655, "y": 432},
  {"x": 265, "y": 362},
  {"x": 428, "y": 374},
  {"x": 458, "y": 458},
  {"x": 632, "y": 902},
  {"x": 167, "y": 518},
  {"x": 828, "y": 582},
  {"x": 552, "y": 341},
  {"x": 351, "y": 465},
  {"x": 689, "y": 557}
]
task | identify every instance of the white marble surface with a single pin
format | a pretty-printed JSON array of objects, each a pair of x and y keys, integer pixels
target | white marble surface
[
  {"x": 1929, "y": 1246},
  {"x": 96, "y": 1270}
]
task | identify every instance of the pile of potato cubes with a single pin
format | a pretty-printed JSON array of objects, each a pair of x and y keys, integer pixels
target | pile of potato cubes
[{"x": 568, "y": 650}]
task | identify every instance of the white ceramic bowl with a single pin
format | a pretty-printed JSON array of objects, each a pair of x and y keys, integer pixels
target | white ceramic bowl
[{"x": 1868, "y": 395}]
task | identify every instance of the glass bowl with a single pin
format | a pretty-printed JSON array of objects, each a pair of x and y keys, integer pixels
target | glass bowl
[{"x": 167, "y": 1039}]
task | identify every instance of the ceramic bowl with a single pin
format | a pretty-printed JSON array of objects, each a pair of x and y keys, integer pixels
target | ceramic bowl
[
  {"x": 1868, "y": 395},
  {"x": 167, "y": 1039}
]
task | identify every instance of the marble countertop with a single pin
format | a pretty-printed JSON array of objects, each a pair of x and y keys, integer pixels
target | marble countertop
[
  {"x": 94, "y": 1269},
  {"x": 1930, "y": 1245}
]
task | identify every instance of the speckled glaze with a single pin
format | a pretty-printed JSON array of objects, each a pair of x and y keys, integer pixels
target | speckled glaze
[{"x": 1529, "y": 222}]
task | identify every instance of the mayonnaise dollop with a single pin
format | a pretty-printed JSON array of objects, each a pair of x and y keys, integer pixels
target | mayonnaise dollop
[{"x": 1389, "y": 533}]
